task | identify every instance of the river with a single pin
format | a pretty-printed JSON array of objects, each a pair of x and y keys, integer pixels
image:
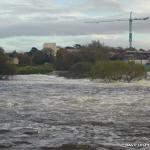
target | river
[{"x": 45, "y": 111}]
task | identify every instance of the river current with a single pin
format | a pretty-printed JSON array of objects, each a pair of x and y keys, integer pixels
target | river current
[{"x": 45, "y": 111}]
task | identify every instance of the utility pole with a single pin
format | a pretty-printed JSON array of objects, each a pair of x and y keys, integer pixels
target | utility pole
[{"x": 131, "y": 19}]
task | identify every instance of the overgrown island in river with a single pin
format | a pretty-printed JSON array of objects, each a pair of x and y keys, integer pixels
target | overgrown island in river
[{"x": 94, "y": 61}]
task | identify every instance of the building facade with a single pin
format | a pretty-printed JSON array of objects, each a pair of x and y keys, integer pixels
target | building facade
[
  {"x": 14, "y": 61},
  {"x": 51, "y": 46}
]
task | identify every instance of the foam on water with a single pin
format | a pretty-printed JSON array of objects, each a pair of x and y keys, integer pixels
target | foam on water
[{"x": 46, "y": 110}]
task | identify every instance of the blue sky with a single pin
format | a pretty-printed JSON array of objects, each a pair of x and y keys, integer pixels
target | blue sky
[{"x": 28, "y": 23}]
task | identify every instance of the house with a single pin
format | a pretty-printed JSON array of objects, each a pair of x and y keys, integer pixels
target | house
[
  {"x": 51, "y": 46},
  {"x": 72, "y": 49},
  {"x": 14, "y": 61},
  {"x": 139, "y": 57}
]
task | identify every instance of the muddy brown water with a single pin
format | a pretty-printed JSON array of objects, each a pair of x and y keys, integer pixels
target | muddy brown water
[{"x": 48, "y": 112}]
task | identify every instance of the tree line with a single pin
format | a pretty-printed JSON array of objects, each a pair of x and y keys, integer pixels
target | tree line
[{"x": 92, "y": 60}]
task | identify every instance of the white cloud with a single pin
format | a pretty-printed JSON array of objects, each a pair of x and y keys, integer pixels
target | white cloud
[
  {"x": 24, "y": 43},
  {"x": 31, "y": 18}
]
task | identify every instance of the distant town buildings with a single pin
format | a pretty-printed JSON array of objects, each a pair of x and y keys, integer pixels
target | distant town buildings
[
  {"x": 49, "y": 45},
  {"x": 55, "y": 48},
  {"x": 139, "y": 57}
]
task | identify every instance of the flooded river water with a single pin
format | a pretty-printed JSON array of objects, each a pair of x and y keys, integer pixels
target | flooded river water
[{"x": 45, "y": 111}]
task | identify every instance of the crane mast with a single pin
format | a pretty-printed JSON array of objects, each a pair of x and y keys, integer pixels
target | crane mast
[
  {"x": 130, "y": 25},
  {"x": 130, "y": 31}
]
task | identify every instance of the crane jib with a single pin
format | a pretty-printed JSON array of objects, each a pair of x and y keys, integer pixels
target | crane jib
[{"x": 130, "y": 20}]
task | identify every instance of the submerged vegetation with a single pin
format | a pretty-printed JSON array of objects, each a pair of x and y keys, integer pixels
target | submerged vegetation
[
  {"x": 108, "y": 71},
  {"x": 94, "y": 61},
  {"x": 117, "y": 70}
]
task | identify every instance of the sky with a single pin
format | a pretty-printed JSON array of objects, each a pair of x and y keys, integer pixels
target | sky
[{"x": 30, "y": 23}]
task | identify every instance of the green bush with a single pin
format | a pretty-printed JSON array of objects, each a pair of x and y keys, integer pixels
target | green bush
[
  {"x": 40, "y": 69},
  {"x": 117, "y": 70}
]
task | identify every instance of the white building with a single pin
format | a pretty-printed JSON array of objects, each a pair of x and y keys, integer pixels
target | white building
[
  {"x": 142, "y": 61},
  {"x": 51, "y": 46},
  {"x": 139, "y": 57},
  {"x": 14, "y": 61}
]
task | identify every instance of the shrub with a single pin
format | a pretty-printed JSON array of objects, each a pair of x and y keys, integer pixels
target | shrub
[
  {"x": 40, "y": 69},
  {"x": 117, "y": 70}
]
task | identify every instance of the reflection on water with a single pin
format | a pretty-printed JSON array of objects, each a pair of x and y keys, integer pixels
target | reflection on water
[{"x": 47, "y": 111}]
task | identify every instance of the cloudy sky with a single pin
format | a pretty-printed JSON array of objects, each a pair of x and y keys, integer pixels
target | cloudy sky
[{"x": 28, "y": 23}]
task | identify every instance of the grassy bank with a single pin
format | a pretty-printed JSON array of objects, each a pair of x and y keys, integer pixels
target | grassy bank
[{"x": 38, "y": 69}]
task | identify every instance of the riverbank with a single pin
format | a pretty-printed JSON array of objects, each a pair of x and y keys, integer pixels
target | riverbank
[{"x": 108, "y": 71}]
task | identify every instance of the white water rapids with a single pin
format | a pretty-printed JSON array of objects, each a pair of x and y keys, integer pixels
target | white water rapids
[{"x": 47, "y": 111}]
